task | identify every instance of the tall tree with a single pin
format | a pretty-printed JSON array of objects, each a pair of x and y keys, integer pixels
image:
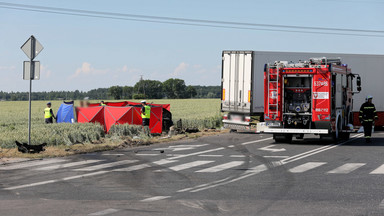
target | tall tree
[
  {"x": 175, "y": 88},
  {"x": 191, "y": 91},
  {"x": 115, "y": 92},
  {"x": 152, "y": 89}
]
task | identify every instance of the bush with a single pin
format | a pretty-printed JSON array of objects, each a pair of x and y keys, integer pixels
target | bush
[
  {"x": 139, "y": 96},
  {"x": 205, "y": 123}
]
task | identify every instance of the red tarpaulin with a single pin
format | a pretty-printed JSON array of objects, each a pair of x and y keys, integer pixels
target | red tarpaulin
[
  {"x": 129, "y": 103},
  {"x": 90, "y": 114},
  {"x": 113, "y": 115}
]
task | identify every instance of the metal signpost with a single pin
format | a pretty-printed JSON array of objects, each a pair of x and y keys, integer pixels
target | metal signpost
[{"x": 31, "y": 48}]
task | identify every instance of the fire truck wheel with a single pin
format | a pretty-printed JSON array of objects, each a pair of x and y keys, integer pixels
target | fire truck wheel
[
  {"x": 345, "y": 135},
  {"x": 282, "y": 138}
]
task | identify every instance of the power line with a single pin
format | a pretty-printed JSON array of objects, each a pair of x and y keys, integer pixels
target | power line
[{"x": 190, "y": 22}]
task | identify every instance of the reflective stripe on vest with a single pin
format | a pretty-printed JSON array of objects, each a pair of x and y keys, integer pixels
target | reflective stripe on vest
[
  {"x": 147, "y": 113},
  {"x": 47, "y": 113}
]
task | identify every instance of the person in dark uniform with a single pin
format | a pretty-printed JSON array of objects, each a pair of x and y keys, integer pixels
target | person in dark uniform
[
  {"x": 48, "y": 114},
  {"x": 367, "y": 117},
  {"x": 145, "y": 113}
]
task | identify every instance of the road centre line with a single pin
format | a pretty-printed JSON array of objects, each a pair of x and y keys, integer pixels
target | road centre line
[
  {"x": 261, "y": 168},
  {"x": 276, "y": 156},
  {"x": 105, "y": 212},
  {"x": 315, "y": 151},
  {"x": 256, "y": 141}
]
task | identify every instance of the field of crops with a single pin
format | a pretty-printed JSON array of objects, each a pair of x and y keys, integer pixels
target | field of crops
[{"x": 201, "y": 113}]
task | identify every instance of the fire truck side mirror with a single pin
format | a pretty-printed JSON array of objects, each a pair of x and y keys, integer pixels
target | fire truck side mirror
[{"x": 358, "y": 82}]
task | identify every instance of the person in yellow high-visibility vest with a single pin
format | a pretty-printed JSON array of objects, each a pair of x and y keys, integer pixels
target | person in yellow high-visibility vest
[
  {"x": 48, "y": 114},
  {"x": 145, "y": 113}
]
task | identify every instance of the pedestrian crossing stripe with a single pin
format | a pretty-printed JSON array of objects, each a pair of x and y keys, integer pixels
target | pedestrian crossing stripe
[
  {"x": 305, "y": 167},
  {"x": 86, "y": 166}
]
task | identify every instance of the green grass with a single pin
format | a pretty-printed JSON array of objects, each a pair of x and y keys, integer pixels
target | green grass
[{"x": 200, "y": 113}]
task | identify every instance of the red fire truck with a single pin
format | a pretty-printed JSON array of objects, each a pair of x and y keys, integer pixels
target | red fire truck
[{"x": 308, "y": 97}]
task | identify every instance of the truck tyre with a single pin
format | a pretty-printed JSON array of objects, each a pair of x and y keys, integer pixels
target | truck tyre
[
  {"x": 232, "y": 131},
  {"x": 345, "y": 135},
  {"x": 282, "y": 138}
]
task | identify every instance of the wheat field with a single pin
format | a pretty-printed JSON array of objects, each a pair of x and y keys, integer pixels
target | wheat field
[{"x": 200, "y": 113}]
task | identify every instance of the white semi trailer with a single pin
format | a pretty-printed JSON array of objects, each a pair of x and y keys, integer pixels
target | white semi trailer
[{"x": 243, "y": 83}]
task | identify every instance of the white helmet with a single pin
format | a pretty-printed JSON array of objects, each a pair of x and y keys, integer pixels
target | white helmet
[
  {"x": 369, "y": 97},
  {"x": 143, "y": 101}
]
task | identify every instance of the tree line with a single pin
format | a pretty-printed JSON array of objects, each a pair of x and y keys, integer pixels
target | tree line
[{"x": 143, "y": 89}]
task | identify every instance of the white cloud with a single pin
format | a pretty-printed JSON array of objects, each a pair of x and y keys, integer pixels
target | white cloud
[
  {"x": 87, "y": 70},
  {"x": 45, "y": 71},
  {"x": 180, "y": 68}
]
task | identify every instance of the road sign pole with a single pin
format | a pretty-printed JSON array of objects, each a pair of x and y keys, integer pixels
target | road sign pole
[
  {"x": 31, "y": 48},
  {"x": 31, "y": 76}
]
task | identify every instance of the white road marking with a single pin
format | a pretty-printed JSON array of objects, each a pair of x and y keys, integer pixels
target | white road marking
[
  {"x": 59, "y": 166},
  {"x": 258, "y": 169},
  {"x": 164, "y": 161},
  {"x": 207, "y": 155},
  {"x": 347, "y": 168},
  {"x": 202, "y": 185},
  {"x": 142, "y": 154},
  {"x": 56, "y": 180},
  {"x": 196, "y": 153},
  {"x": 28, "y": 164},
  {"x": 106, "y": 165},
  {"x": 231, "y": 146},
  {"x": 381, "y": 205},
  {"x": 256, "y": 141},
  {"x": 133, "y": 168},
  {"x": 105, "y": 212},
  {"x": 237, "y": 156},
  {"x": 189, "y": 165},
  {"x": 305, "y": 167},
  {"x": 269, "y": 148},
  {"x": 155, "y": 198},
  {"x": 276, "y": 156},
  {"x": 221, "y": 167},
  {"x": 379, "y": 170}
]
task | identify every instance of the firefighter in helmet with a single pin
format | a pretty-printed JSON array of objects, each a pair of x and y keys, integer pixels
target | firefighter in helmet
[{"x": 367, "y": 116}]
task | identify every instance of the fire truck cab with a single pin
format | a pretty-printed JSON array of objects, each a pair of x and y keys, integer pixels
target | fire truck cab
[{"x": 308, "y": 97}]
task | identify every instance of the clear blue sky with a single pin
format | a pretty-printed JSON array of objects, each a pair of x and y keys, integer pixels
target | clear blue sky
[{"x": 86, "y": 53}]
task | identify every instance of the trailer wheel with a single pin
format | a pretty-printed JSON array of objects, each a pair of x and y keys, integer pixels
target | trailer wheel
[
  {"x": 232, "y": 131},
  {"x": 282, "y": 138}
]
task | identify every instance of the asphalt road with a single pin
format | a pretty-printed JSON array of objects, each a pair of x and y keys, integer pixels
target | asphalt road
[{"x": 229, "y": 174}]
